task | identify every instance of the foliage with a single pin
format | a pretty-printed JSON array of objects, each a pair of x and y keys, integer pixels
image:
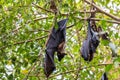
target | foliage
[{"x": 25, "y": 25}]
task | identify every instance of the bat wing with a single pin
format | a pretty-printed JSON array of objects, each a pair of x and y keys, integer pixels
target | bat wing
[
  {"x": 90, "y": 44},
  {"x": 49, "y": 65},
  {"x": 85, "y": 50},
  {"x": 61, "y": 36},
  {"x": 55, "y": 38},
  {"x": 52, "y": 42},
  {"x": 51, "y": 47}
]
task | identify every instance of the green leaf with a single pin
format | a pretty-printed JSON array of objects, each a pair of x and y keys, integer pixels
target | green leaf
[
  {"x": 10, "y": 77},
  {"x": 105, "y": 42},
  {"x": 108, "y": 67},
  {"x": 116, "y": 35},
  {"x": 103, "y": 23}
]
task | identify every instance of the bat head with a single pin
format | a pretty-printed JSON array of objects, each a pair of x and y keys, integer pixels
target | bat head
[{"x": 60, "y": 56}]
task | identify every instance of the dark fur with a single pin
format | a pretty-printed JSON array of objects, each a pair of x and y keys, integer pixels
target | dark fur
[
  {"x": 90, "y": 44},
  {"x": 55, "y": 44}
]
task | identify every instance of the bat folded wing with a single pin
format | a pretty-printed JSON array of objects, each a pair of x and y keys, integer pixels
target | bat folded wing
[
  {"x": 85, "y": 50},
  {"x": 90, "y": 44},
  {"x": 55, "y": 43},
  {"x": 49, "y": 65}
]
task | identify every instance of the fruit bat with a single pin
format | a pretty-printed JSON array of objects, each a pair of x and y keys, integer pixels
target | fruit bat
[
  {"x": 55, "y": 43},
  {"x": 90, "y": 43},
  {"x": 104, "y": 77}
]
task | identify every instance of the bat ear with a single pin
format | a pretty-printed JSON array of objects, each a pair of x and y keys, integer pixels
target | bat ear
[{"x": 62, "y": 24}]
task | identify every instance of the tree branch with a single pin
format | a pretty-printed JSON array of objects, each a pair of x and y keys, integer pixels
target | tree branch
[
  {"x": 48, "y": 31},
  {"x": 70, "y": 26},
  {"x": 39, "y": 30},
  {"x": 30, "y": 40},
  {"x": 92, "y": 11},
  {"x": 106, "y": 13},
  {"x": 23, "y": 42},
  {"x": 96, "y": 19},
  {"x": 15, "y": 30},
  {"x": 43, "y": 8},
  {"x": 40, "y": 18},
  {"x": 71, "y": 71},
  {"x": 32, "y": 67},
  {"x": 37, "y": 19}
]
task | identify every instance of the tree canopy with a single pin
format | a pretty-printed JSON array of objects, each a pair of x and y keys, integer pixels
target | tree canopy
[{"x": 26, "y": 24}]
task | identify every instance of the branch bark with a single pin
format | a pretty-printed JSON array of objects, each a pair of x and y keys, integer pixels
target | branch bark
[
  {"x": 75, "y": 70},
  {"x": 23, "y": 42},
  {"x": 106, "y": 13},
  {"x": 43, "y": 8},
  {"x": 96, "y": 19},
  {"x": 66, "y": 14},
  {"x": 30, "y": 40}
]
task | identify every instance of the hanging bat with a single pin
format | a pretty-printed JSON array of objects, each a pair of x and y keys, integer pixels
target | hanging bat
[
  {"x": 104, "y": 77},
  {"x": 55, "y": 43},
  {"x": 90, "y": 44}
]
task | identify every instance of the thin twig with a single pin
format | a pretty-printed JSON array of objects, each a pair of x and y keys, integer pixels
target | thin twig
[
  {"x": 66, "y": 27},
  {"x": 15, "y": 30},
  {"x": 40, "y": 18},
  {"x": 39, "y": 30},
  {"x": 96, "y": 19},
  {"x": 30, "y": 40},
  {"x": 39, "y": 55},
  {"x": 23, "y": 42},
  {"x": 37, "y": 19},
  {"x": 29, "y": 22},
  {"x": 102, "y": 11},
  {"x": 63, "y": 73},
  {"x": 92, "y": 11},
  {"x": 43, "y": 8},
  {"x": 3, "y": 47},
  {"x": 70, "y": 71},
  {"x": 79, "y": 67},
  {"x": 26, "y": 77}
]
